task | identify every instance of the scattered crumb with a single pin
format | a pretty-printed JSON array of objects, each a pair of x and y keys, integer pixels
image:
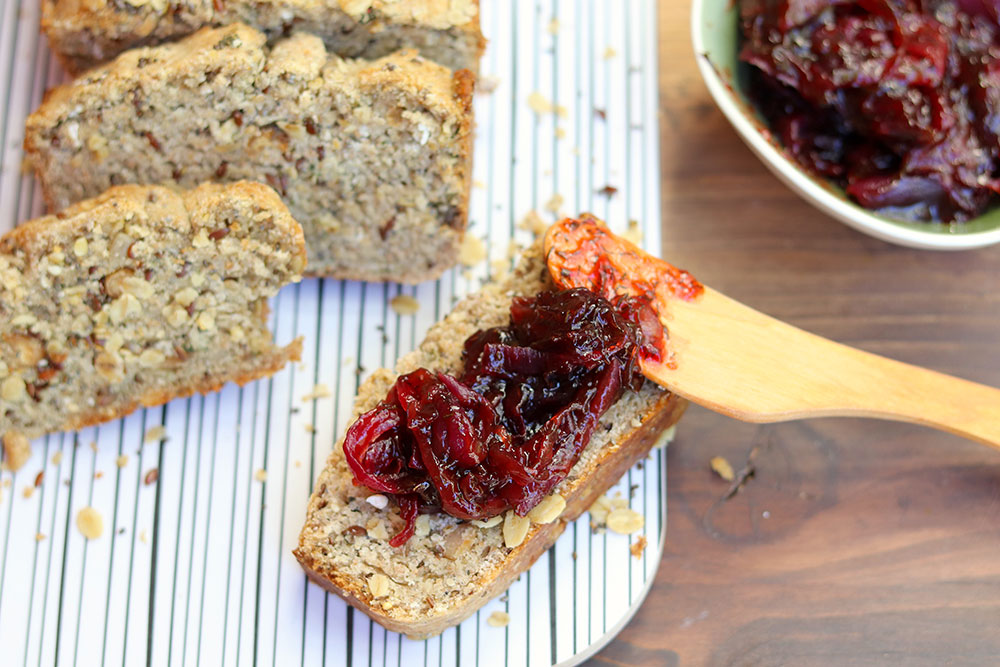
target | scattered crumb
[
  {"x": 638, "y": 547},
  {"x": 487, "y": 84},
  {"x": 318, "y": 391},
  {"x": 57, "y": 458},
  {"x": 553, "y": 27},
  {"x": 309, "y": 427},
  {"x": 722, "y": 468},
  {"x": 39, "y": 478},
  {"x": 28, "y": 491},
  {"x": 608, "y": 191},
  {"x": 122, "y": 461},
  {"x": 39, "y": 537},
  {"x": 534, "y": 223},
  {"x": 599, "y": 512},
  {"x": 542, "y": 105},
  {"x": 156, "y": 434},
  {"x": 665, "y": 438},
  {"x": 634, "y": 232},
  {"x": 555, "y": 203},
  {"x": 348, "y": 361},
  {"x": 560, "y": 133},
  {"x": 99, "y": 474},
  {"x": 142, "y": 537},
  {"x": 625, "y": 521},
  {"x": 152, "y": 475},
  {"x": 479, "y": 184},
  {"x": 472, "y": 252},
  {"x": 609, "y": 53},
  {"x": 260, "y": 475},
  {"x": 574, "y": 556},
  {"x": 93, "y": 446},
  {"x": 601, "y": 113},
  {"x": 89, "y": 523},
  {"x": 298, "y": 464},
  {"x": 498, "y": 619},
  {"x": 16, "y": 450},
  {"x": 404, "y": 304}
]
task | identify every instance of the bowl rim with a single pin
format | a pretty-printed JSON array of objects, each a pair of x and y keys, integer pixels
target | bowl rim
[{"x": 805, "y": 185}]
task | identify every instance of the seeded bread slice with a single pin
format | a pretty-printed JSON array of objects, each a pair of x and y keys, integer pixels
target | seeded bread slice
[
  {"x": 84, "y": 33},
  {"x": 450, "y": 568},
  {"x": 372, "y": 158},
  {"x": 137, "y": 297}
]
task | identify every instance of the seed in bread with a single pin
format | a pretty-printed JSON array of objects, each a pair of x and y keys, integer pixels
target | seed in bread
[
  {"x": 101, "y": 305},
  {"x": 372, "y": 158},
  {"x": 84, "y": 34},
  {"x": 451, "y": 567}
]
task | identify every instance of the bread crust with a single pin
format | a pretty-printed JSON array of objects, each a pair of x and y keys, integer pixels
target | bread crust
[{"x": 84, "y": 34}]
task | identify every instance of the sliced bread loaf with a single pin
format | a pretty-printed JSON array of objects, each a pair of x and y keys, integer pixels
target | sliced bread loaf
[
  {"x": 84, "y": 34},
  {"x": 450, "y": 567},
  {"x": 372, "y": 158},
  {"x": 137, "y": 297}
]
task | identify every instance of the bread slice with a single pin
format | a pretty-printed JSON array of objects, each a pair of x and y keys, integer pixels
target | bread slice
[
  {"x": 372, "y": 158},
  {"x": 137, "y": 297},
  {"x": 89, "y": 32},
  {"x": 451, "y": 567}
]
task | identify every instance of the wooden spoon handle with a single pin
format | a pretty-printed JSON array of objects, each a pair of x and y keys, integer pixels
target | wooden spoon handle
[{"x": 787, "y": 373}]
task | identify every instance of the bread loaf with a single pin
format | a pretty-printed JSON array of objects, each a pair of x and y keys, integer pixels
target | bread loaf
[
  {"x": 137, "y": 297},
  {"x": 84, "y": 34},
  {"x": 372, "y": 158},
  {"x": 450, "y": 568}
]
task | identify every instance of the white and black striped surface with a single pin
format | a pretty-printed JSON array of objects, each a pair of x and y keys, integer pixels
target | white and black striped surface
[{"x": 196, "y": 567}]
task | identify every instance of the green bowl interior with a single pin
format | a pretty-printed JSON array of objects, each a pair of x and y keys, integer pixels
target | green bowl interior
[{"x": 720, "y": 37}]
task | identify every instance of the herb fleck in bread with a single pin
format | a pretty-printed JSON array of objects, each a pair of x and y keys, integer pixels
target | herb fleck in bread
[
  {"x": 450, "y": 567},
  {"x": 372, "y": 158},
  {"x": 137, "y": 297},
  {"x": 84, "y": 33}
]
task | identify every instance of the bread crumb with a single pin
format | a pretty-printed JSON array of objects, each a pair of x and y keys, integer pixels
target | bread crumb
[
  {"x": 473, "y": 250},
  {"x": 39, "y": 537},
  {"x": 93, "y": 446},
  {"x": 309, "y": 427},
  {"x": 377, "y": 500},
  {"x": 638, "y": 547},
  {"x": 142, "y": 537},
  {"x": 89, "y": 523},
  {"x": 554, "y": 203},
  {"x": 122, "y": 461},
  {"x": 625, "y": 521},
  {"x": 404, "y": 304},
  {"x": 554, "y": 27},
  {"x": 548, "y": 510},
  {"x": 515, "y": 529},
  {"x": 28, "y": 492},
  {"x": 57, "y": 458},
  {"x": 722, "y": 468},
  {"x": 152, "y": 475},
  {"x": 498, "y": 619},
  {"x": 533, "y": 223},
  {"x": 542, "y": 105},
  {"x": 560, "y": 133},
  {"x": 260, "y": 475},
  {"x": 479, "y": 185},
  {"x": 318, "y": 391},
  {"x": 156, "y": 434},
  {"x": 609, "y": 53},
  {"x": 16, "y": 450},
  {"x": 378, "y": 585}
]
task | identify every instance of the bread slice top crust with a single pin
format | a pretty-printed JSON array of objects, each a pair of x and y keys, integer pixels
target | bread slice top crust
[
  {"x": 85, "y": 33},
  {"x": 136, "y": 297},
  {"x": 450, "y": 567}
]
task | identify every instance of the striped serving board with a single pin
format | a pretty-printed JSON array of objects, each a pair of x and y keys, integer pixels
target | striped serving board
[{"x": 195, "y": 567}]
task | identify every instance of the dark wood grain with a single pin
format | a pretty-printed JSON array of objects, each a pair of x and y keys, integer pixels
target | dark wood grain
[{"x": 856, "y": 542}]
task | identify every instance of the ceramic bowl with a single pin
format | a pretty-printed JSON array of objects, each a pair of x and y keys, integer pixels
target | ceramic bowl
[{"x": 715, "y": 33}]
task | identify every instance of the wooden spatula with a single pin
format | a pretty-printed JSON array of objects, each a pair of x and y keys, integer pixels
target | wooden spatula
[{"x": 737, "y": 361}]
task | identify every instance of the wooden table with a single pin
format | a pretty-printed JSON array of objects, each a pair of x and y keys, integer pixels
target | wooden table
[{"x": 856, "y": 542}]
